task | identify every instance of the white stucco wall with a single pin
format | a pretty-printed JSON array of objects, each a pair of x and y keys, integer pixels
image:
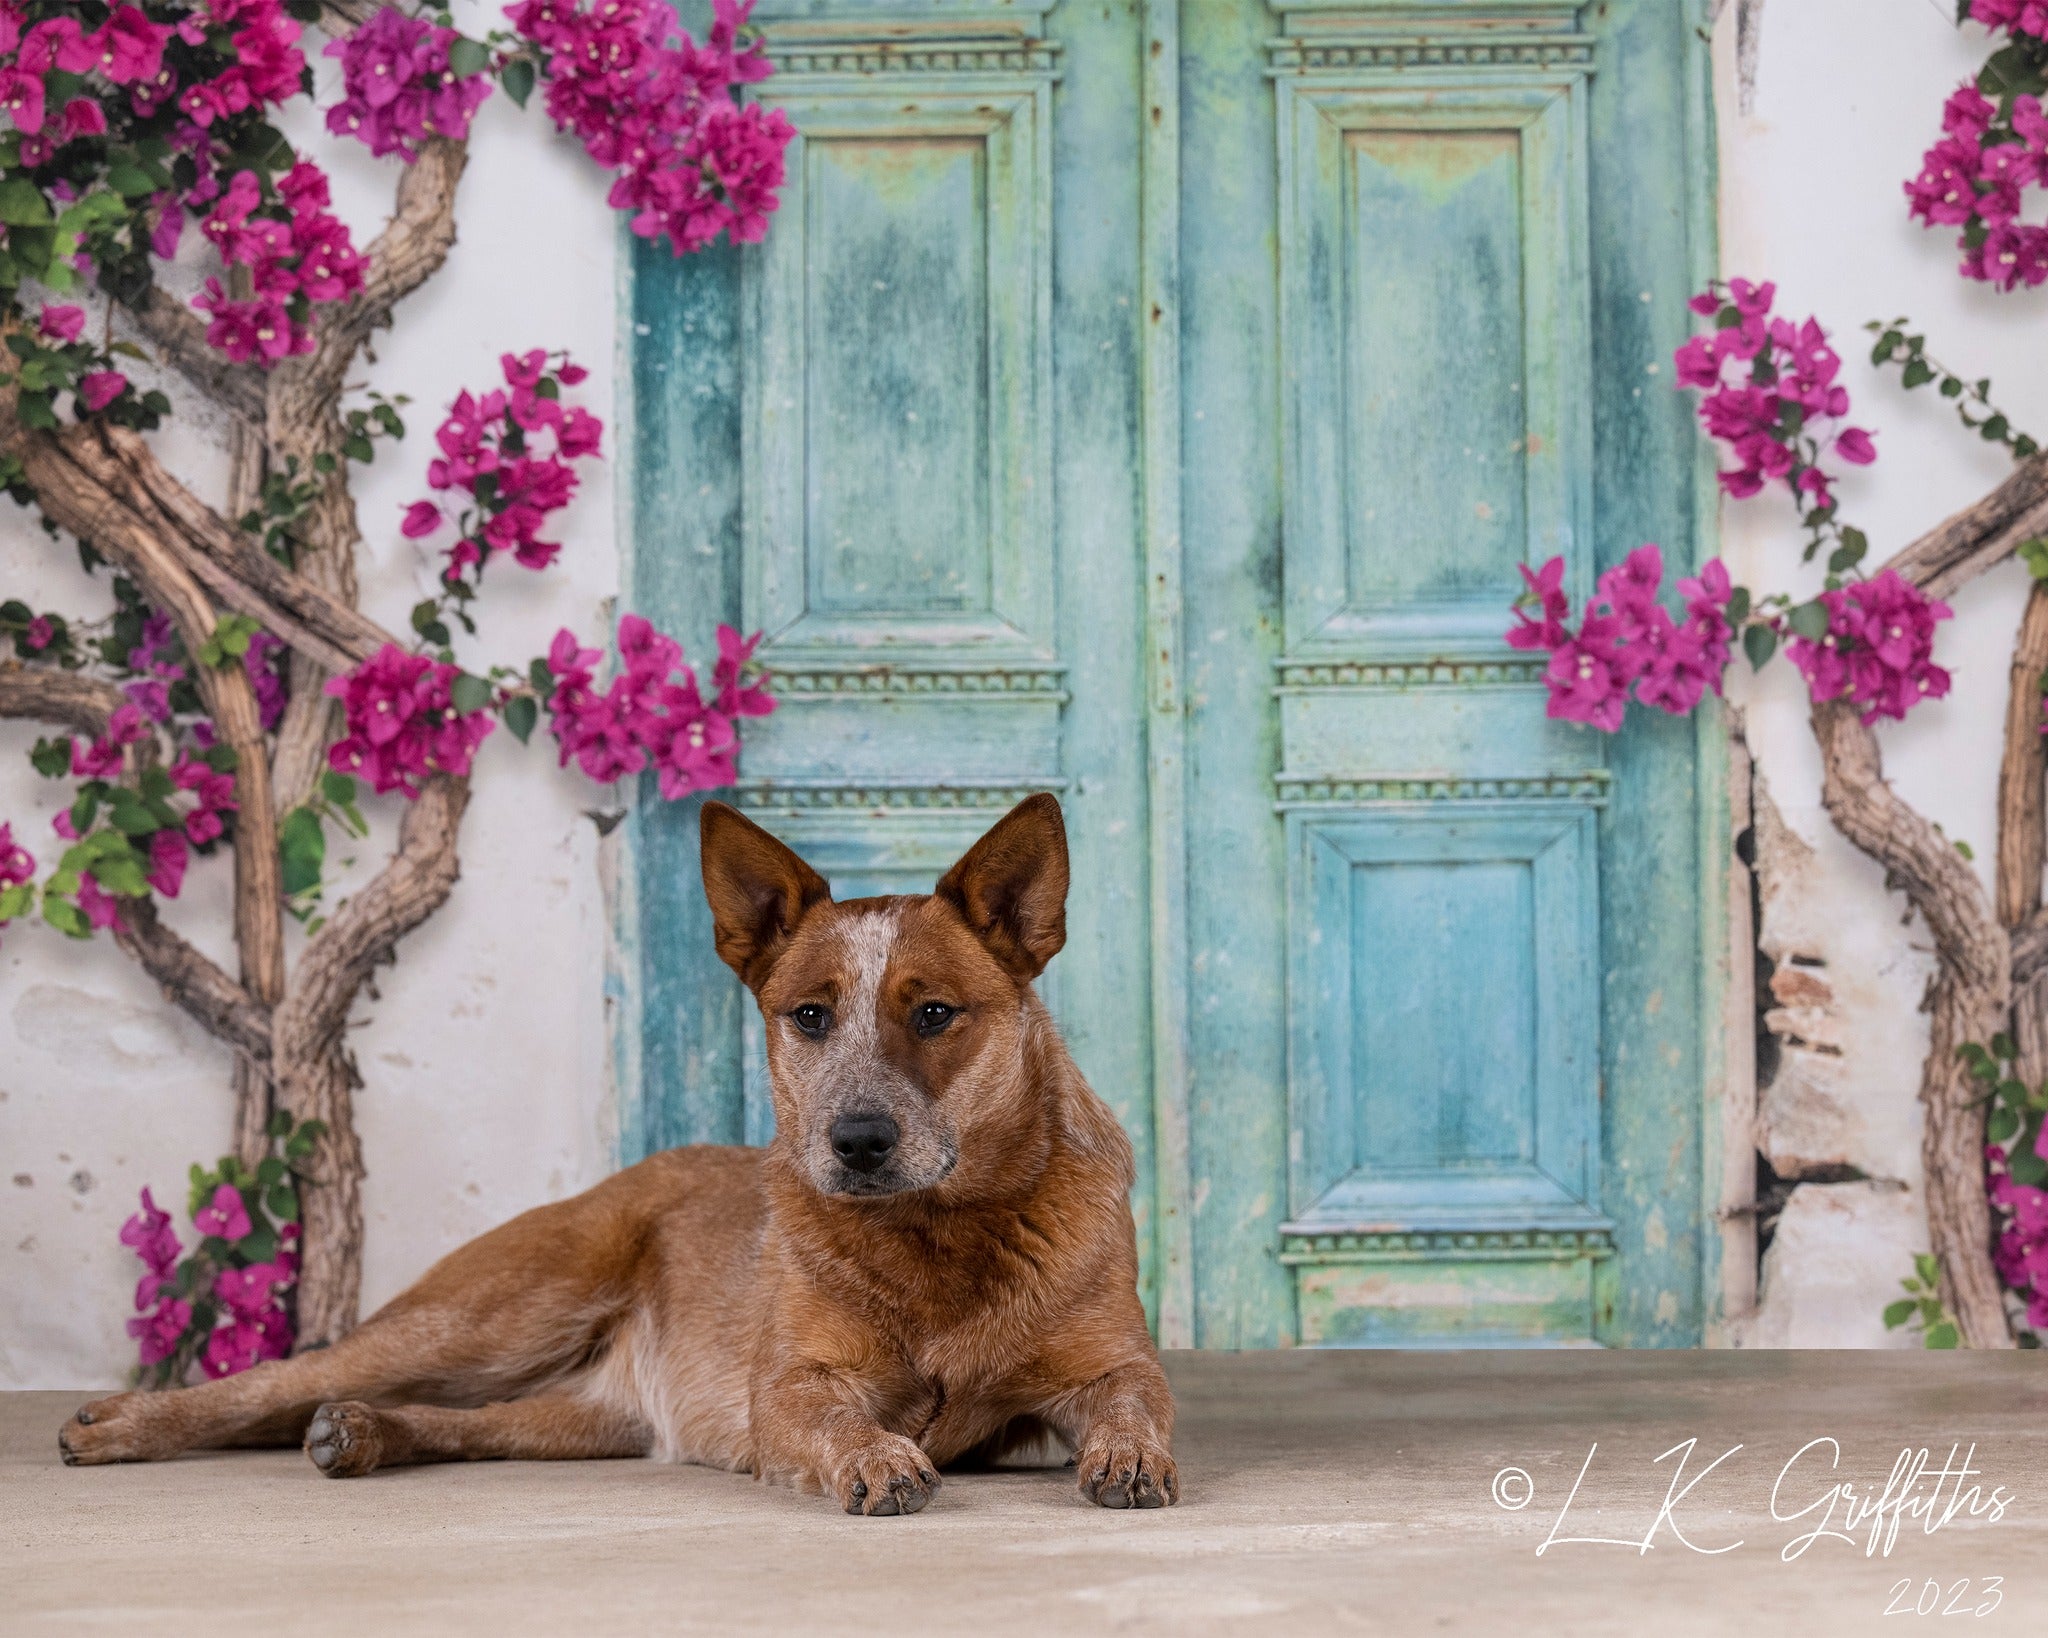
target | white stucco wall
[
  {"x": 485, "y": 1055},
  {"x": 1847, "y": 96}
]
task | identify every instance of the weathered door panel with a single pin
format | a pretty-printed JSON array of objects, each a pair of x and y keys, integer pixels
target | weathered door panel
[{"x": 1447, "y": 255}]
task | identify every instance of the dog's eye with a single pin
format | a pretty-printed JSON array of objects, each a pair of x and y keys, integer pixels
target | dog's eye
[
  {"x": 812, "y": 1019},
  {"x": 932, "y": 1017}
]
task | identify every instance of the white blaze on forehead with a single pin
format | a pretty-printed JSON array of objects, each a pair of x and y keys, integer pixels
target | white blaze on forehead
[{"x": 869, "y": 938}]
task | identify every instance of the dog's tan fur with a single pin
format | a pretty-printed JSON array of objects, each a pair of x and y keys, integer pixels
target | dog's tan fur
[{"x": 779, "y": 1311}]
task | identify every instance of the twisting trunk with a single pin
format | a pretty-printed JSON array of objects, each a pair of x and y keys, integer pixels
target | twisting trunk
[{"x": 1993, "y": 957}]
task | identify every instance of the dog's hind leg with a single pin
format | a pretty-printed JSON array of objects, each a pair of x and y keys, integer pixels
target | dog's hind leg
[
  {"x": 350, "y": 1438},
  {"x": 508, "y": 1314}
]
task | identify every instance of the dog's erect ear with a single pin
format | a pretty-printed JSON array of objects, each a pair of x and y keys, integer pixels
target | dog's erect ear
[
  {"x": 1011, "y": 887},
  {"x": 759, "y": 890}
]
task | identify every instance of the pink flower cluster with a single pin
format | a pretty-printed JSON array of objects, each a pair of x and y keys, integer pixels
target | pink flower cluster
[
  {"x": 1627, "y": 639},
  {"x": 651, "y": 104},
  {"x": 164, "y": 1315},
  {"x": 399, "y": 88},
  {"x": 1771, "y": 394},
  {"x": 17, "y": 864},
  {"x": 297, "y": 253},
  {"x": 490, "y": 451},
  {"x": 402, "y": 722},
  {"x": 249, "y": 1300},
  {"x": 2015, "y": 16},
  {"x": 1878, "y": 649},
  {"x": 101, "y": 758},
  {"x": 1976, "y": 177},
  {"x": 127, "y": 49},
  {"x": 2021, "y": 1254},
  {"x": 653, "y": 715}
]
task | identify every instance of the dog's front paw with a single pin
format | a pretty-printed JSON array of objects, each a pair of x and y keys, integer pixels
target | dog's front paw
[
  {"x": 887, "y": 1476},
  {"x": 1127, "y": 1470},
  {"x": 129, "y": 1427},
  {"x": 345, "y": 1439}
]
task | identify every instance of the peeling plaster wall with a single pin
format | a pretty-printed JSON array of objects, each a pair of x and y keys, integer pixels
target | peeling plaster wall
[
  {"x": 1811, "y": 170},
  {"x": 485, "y": 1054}
]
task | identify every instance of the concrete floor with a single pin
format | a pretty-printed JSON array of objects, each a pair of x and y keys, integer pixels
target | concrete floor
[{"x": 1323, "y": 1493}]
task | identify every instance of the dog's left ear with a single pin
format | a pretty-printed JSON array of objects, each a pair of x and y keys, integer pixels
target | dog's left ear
[{"x": 1011, "y": 887}]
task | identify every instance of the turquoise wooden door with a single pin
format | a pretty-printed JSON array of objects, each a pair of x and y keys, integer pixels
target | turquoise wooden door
[{"x": 1151, "y": 403}]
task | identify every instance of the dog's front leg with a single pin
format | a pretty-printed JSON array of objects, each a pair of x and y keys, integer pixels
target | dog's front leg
[
  {"x": 812, "y": 1422},
  {"x": 1121, "y": 1425}
]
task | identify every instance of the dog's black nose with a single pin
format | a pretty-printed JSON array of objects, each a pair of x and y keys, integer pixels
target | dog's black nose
[{"x": 864, "y": 1142}]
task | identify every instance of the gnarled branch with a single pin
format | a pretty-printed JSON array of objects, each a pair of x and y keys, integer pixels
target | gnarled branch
[
  {"x": 83, "y": 704},
  {"x": 1970, "y": 1000},
  {"x": 314, "y": 1074},
  {"x": 1982, "y": 535}
]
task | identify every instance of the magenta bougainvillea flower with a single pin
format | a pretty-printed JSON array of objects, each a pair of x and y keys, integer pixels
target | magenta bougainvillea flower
[
  {"x": 1878, "y": 650},
  {"x": 653, "y": 714},
  {"x": 225, "y": 1216},
  {"x": 1771, "y": 393},
  {"x": 398, "y": 87},
  {"x": 651, "y": 104},
  {"x": 510, "y": 452},
  {"x": 1976, "y": 177},
  {"x": 1627, "y": 640},
  {"x": 402, "y": 723}
]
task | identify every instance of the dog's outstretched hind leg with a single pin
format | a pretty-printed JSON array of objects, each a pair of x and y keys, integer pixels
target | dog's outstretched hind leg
[
  {"x": 511, "y": 1312},
  {"x": 350, "y": 1438}
]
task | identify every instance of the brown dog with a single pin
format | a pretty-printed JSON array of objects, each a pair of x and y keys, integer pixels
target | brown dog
[{"x": 934, "y": 1259}]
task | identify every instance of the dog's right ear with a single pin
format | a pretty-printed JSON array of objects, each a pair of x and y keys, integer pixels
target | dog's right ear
[{"x": 759, "y": 891}]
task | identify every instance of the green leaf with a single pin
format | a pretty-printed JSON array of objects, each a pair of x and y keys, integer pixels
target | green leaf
[
  {"x": 302, "y": 850},
  {"x": 1810, "y": 620},
  {"x": 66, "y": 917},
  {"x": 51, "y": 758},
  {"x": 1738, "y": 607},
  {"x": 1896, "y": 1314},
  {"x": 130, "y": 181},
  {"x": 543, "y": 679},
  {"x": 259, "y": 1245},
  {"x": 22, "y": 203},
  {"x": 517, "y": 79},
  {"x": 14, "y": 900},
  {"x": 338, "y": 788},
  {"x": 1918, "y": 374},
  {"x": 2026, "y": 1166},
  {"x": 1759, "y": 643},
  {"x": 470, "y": 693},
  {"x": 1951, "y": 387},
  {"x": 1994, "y": 430},
  {"x": 283, "y": 1203},
  {"x": 2005, "y": 1046},
  {"x": 1943, "y": 1335},
  {"x": 521, "y": 713},
  {"x": 1927, "y": 1268},
  {"x": 280, "y": 1123},
  {"x": 466, "y": 57},
  {"x": 2003, "y": 1126}
]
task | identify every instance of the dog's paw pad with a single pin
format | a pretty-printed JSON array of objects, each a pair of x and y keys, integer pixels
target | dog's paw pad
[{"x": 344, "y": 1440}]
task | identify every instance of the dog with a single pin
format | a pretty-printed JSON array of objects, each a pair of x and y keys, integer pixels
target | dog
[{"x": 933, "y": 1262}]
